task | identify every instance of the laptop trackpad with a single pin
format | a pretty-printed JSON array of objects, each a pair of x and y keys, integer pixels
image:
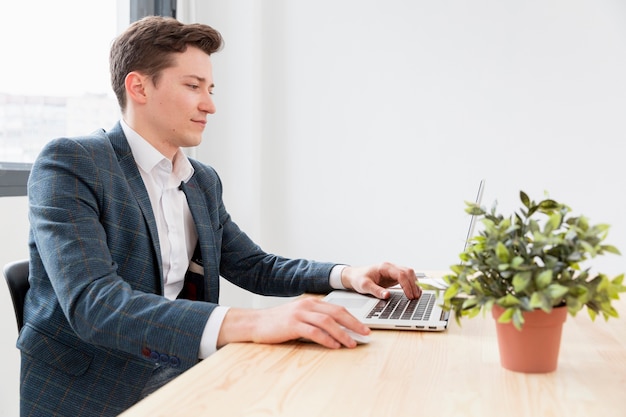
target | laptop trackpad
[{"x": 350, "y": 303}]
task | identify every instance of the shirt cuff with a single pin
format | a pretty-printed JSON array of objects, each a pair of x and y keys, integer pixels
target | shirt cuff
[
  {"x": 208, "y": 343},
  {"x": 335, "y": 277}
]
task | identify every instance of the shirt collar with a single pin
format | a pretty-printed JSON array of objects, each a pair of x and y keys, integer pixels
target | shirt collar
[{"x": 148, "y": 157}]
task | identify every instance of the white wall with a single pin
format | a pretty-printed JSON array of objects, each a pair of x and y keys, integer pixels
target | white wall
[{"x": 354, "y": 130}]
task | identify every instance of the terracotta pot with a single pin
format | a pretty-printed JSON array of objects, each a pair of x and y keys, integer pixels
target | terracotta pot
[{"x": 534, "y": 348}]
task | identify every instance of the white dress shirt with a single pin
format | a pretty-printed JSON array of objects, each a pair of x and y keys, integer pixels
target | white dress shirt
[{"x": 177, "y": 232}]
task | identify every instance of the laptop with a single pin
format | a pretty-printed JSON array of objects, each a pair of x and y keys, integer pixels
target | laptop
[{"x": 398, "y": 312}]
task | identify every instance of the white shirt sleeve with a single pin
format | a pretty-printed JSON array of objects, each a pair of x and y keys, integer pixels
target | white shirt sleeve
[
  {"x": 208, "y": 343},
  {"x": 335, "y": 277}
]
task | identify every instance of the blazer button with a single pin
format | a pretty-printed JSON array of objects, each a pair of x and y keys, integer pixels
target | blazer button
[
  {"x": 174, "y": 362},
  {"x": 154, "y": 356},
  {"x": 146, "y": 352},
  {"x": 164, "y": 359}
]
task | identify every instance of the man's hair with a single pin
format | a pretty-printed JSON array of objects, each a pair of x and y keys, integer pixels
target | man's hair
[{"x": 149, "y": 44}]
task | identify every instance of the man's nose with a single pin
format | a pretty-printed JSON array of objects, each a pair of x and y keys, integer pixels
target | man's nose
[{"x": 208, "y": 105}]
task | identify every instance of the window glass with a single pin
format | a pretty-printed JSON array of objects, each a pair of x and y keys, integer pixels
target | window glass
[{"x": 55, "y": 73}]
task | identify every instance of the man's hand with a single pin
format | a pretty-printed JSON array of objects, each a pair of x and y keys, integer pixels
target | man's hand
[
  {"x": 315, "y": 320},
  {"x": 308, "y": 318},
  {"x": 375, "y": 279}
]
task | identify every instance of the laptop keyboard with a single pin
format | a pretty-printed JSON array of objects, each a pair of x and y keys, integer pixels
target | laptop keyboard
[{"x": 399, "y": 307}]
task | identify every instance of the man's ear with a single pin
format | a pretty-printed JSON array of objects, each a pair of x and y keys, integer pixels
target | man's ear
[{"x": 135, "y": 84}]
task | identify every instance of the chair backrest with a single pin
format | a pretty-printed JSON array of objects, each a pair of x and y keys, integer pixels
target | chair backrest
[{"x": 16, "y": 275}]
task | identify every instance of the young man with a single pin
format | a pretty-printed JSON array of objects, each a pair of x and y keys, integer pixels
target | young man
[{"x": 129, "y": 238}]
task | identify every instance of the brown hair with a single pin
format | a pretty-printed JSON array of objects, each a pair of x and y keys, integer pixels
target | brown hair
[{"x": 148, "y": 45}]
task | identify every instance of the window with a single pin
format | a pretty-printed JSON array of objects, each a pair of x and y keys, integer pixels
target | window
[{"x": 55, "y": 77}]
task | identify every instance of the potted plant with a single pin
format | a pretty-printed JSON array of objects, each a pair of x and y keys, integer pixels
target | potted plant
[{"x": 526, "y": 268}]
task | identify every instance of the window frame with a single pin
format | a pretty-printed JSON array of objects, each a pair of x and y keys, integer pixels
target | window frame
[{"x": 14, "y": 178}]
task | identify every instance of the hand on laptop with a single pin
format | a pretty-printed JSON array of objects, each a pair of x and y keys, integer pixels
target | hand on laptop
[
  {"x": 313, "y": 319},
  {"x": 376, "y": 279}
]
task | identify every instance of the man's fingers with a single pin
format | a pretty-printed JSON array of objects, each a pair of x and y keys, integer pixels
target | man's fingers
[
  {"x": 405, "y": 277},
  {"x": 332, "y": 321},
  {"x": 326, "y": 333}
]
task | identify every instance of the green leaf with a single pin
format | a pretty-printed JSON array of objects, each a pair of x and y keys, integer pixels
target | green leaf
[
  {"x": 503, "y": 267},
  {"x": 592, "y": 314},
  {"x": 611, "y": 249},
  {"x": 490, "y": 227},
  {"x": 506, "y": 315},
  {"x": 473, "y": 209},
  {"x": 518, "y": 319},
  {"x": 502, "y": 252},
  {"x": 539, "y": 300},
  {"x": 473, "y": 312},
  {"x": 548, "y": 205},
  {"x": 542, "y": 301},
  {"x": 521, "y": 280},
  {"x": 587, "y": 247},
  {"x": 469, "y": 303},
  {"x": 457, "y": 269},
  {"x": 508, "y": 300},
  {"x": 517, "y": 261},
  {"x": 556, "y": 291},
  {"x": 544, "y": 279},
  {"x": 576, "y": 256},
  {"x": 525, "y": 200},
  {"x": 451, "y": 291},
  {"x": 574, "y": 305},
  {"x": 553, "y": 223}
]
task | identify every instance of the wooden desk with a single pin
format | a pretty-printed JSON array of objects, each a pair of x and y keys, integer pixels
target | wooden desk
[{"x": 454, "y": 373}]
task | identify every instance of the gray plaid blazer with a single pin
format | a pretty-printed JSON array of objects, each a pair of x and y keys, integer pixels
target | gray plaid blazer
[{"x": 96, "y": 322}]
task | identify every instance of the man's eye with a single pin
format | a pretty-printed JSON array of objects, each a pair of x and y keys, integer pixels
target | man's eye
[{"x": 193, "y": 86}]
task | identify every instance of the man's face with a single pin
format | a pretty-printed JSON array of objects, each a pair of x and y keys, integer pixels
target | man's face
[{"x": 178, "y": 105}]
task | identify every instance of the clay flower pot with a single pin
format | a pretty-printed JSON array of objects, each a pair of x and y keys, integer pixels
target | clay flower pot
[{"x": 534, "y": 348}]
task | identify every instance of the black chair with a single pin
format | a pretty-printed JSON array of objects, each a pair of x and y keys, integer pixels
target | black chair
[{"x": 16, "y": 275}]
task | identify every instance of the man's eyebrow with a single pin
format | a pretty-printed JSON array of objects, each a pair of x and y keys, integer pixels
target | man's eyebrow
[{"x": 200, "y": 79}]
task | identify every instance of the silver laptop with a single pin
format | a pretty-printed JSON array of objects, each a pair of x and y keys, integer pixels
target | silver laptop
[{"x": 398, "y": 312}]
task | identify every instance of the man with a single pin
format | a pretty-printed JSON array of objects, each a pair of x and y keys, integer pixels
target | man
[{"x": 129, "y": 238}]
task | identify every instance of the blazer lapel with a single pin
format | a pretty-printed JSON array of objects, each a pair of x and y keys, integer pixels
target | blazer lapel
[
  {"x": 206, "y": 238},
  {"x": 135, "y": 182}
]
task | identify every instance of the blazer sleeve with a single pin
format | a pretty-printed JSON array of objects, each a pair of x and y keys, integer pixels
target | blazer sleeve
[{"x": 243, "y": 262}]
